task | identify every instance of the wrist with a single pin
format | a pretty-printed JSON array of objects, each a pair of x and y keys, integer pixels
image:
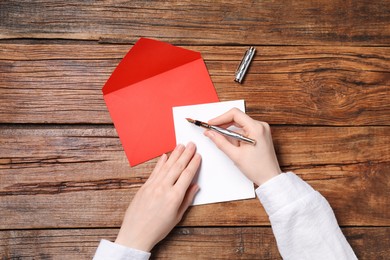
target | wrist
[
  {"x": 139, "y": 243},
  {"x": 263, "y": 178}
]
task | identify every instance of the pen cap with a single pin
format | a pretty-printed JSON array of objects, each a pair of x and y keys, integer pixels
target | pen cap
[{"x": 244, "y": 64}]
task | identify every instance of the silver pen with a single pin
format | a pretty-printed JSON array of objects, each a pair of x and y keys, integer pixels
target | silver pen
[{"x": 222, "y": 131}]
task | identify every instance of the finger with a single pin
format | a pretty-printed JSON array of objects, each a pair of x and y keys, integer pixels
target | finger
[
  {"x": 181, "y": 163},
  {"x": 160, "y": 163},
  {"x": 233, "y": 115},
  {"x": 222, "y": 143},
  {"x": 188, "y": 174},
  {"x": 188, "y": 199},
  {"x": 175, "y": 155}
]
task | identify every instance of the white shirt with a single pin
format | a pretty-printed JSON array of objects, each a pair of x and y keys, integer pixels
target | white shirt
[{"x": 302, "y": 220}]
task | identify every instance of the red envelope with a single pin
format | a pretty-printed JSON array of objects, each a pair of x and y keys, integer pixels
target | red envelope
[{"x": 152, "y": 78}]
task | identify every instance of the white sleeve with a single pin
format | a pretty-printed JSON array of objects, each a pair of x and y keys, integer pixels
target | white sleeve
[
  {"x": 111, "y": 251},
  {"x": 302, "y": 220}
]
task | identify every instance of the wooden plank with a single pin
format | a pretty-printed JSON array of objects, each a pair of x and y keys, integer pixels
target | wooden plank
[
  {"x": 259, "y": 243},
  {"x": 182, "y": 243},
  {"x": 329, "y": 22},
  {"x": 84, "y": 170},
  {"x": 285, "y": 85},
  {"x": 68, "y": 152}
]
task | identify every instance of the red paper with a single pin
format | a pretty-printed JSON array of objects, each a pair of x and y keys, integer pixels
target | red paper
[{"x": 152, "y": 78}]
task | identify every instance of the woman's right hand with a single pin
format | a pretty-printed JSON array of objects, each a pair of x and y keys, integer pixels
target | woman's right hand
[{"x": 258, "y": 162}]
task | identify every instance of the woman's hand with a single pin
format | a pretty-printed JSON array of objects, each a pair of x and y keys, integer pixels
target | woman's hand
[
  {"x": 258, "y": 162},
  {"x": 161, "y": 202}
]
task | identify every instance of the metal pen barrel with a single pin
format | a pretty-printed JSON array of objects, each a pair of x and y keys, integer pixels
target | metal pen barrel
[{"x": 232, "y": 134}]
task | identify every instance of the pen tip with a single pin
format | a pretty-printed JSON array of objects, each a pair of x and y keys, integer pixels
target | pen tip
[{"x": 190, "y": 120}]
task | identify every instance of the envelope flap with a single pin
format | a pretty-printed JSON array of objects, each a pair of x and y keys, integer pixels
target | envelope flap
[{"x": 146, "y": 59}]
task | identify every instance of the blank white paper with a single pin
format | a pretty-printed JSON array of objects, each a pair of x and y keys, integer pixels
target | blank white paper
[{"x": 218, "y": 178}]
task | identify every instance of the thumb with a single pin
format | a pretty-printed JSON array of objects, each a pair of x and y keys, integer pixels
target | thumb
[{"x": 222, "y": 143}]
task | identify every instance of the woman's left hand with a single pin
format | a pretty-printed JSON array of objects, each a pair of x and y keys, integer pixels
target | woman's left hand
[{"x": 161, "y": 202}]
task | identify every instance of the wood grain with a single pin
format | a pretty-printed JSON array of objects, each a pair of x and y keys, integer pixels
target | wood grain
[
  {"x": 182, "y": 243},
  {"x": 324, "y": 22},
  {"x": 321, "y": 77},
  {"x": 285, "y": 85},
  {"x": 77, "y": 176}
]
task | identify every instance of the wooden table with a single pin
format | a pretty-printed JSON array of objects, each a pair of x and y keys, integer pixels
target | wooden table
[{"x": 321, "y": 78}]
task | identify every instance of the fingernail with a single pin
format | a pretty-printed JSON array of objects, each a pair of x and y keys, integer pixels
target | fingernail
[
  {"x": 190, "y": 145},
  {"x": 179, "y": 147}
]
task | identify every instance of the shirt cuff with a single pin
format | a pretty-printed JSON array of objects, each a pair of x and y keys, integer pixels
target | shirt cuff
[
  {"x": 281, "y": 191},
  {"x": 111, "y": 251}
]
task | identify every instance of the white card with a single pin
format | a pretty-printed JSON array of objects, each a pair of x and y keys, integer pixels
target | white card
[{"x": 218, "y": 178}]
